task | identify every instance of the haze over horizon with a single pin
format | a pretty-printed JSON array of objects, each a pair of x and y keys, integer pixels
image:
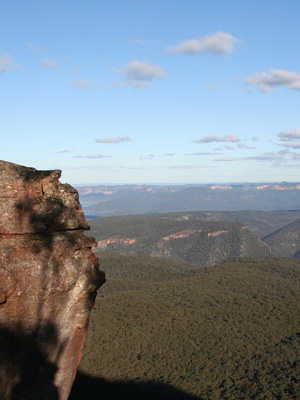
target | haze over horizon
[{"x": 152, "y": 91}]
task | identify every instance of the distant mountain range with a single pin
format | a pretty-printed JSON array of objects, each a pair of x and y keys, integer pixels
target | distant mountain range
[{"x": 143, "y": 199}]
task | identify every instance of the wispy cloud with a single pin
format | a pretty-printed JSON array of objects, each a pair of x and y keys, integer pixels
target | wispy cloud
[
  {"x": 83, "y": 84},
  {"x": 31, "y": 46},
  {"x": 75, "y": 70},
  {"x": 140, "y": 167},
  {"x": 218, "y": 43},
  {"x": 228, "y": 158},
  {"x": 210, "y": 139},
  {"x": 269, "y": 156},
  {"x": 90, "y": 167},
  {"x": 244, "y": 146},
  {"x": 186, "y": 166},
  {"x": 49, "y": 63},
  {"x": 201, "y": 154},
  {"x": 291, "y": 139},
  {"x": 281, "y": 157},
  {"x": 228, "y": 147},
  {"x": 64, "y": 151},
  {"x": 148, "y": 157},
  {"x": 255, "y": 138},
  {"x": 114, "y": 140},
  {"x": 135, "y": 41},
  {"x": 6, "y": 63},
  {"x": 266, "y": 82},
  {"x": 139, "y": 75},
  {"x": 168, "y": 155},
  {"x": 93, "y": 156},
  {"x": 293, "y": 145},
  {"x": 211, "y": 86},
  {"x": 289, "y": 136}
]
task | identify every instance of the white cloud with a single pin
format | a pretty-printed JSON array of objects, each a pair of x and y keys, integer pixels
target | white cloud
[
  {"x": 48, "y": 63},
  {"x": 114, "y": 140},
  {"x": 6, "y": 63},
  {"x": 93, "y": 156},
  {"x": 289, "y": 136},
  {"x": 228, "y": 147},
  {"x": 75, "y": 70},
  {"x": 255, "y": 138},
  {"x": 82, "y": 84},
  {"x": 266, "y": 82},
  {"x": 210, "y": 139},
  {"x": 217, "y": 43},
  {"x": 65, "y": 151},
  {"x": 139, "y": 75}
]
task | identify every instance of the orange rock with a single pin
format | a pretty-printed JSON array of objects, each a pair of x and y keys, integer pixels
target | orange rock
[{"x": 49, "y": 277}]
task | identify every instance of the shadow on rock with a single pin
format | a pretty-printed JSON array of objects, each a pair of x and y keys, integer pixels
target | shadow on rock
[
  {"x": 26, "y": 373},
  {"x": 94, "y": 388}
]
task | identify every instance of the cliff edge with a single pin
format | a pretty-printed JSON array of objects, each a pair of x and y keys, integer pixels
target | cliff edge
[{"x": 48, "y": 282}]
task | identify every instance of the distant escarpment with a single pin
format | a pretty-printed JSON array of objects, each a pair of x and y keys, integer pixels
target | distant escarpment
[
  {"x": 193, "y": 241},
  {"x": 145, "y": 199},
  {"x": 48, "y": 282}
]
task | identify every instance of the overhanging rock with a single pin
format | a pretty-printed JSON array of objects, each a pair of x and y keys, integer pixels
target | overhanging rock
[{"x": 49, "y": 277}]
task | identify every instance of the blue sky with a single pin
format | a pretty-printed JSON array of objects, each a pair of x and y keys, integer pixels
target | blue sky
[{"x": 169, "y": 91}]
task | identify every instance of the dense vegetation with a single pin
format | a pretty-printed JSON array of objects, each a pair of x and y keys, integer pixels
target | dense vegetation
[
  {"x": 227, "y": 331},
  {"x": 194, "y": 241},
  {"x": 286, "y": 240},
  {"x": 279, "y": 230},
  {"x": 262, "y": 223}
]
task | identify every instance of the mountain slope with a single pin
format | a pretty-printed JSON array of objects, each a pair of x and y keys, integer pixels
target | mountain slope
[
  {"x": 286, "y": 241},
  {"x": 193, "y": 241}
]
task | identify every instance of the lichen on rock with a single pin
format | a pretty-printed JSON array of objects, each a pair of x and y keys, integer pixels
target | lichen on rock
[{"x": 49, "y": 277}]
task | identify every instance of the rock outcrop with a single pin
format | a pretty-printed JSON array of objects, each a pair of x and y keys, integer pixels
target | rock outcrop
[{"x": 48, "y": 281}]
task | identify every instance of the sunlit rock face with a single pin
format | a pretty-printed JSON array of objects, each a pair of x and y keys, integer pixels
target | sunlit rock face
[{"x": 48, "y": 281}]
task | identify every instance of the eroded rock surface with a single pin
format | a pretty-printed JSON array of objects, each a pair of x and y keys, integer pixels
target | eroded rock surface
[{"x": 48, "y": 282}]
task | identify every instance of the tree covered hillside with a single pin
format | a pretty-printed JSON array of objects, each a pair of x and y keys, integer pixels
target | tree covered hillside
[
  {"x": 286, "y": 240},
  {"x": 227, "y": 331},
  {"x": 193, "y": 241}
]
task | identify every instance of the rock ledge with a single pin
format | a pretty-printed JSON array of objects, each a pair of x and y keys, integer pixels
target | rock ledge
[{"x": 49, "y": 277}]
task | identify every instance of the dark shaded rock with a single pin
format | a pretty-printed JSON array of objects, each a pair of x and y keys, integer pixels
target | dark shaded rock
[{"x": 48, "y": 281}]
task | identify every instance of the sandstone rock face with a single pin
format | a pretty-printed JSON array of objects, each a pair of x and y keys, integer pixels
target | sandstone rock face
[{"x": 48, "y": 282}]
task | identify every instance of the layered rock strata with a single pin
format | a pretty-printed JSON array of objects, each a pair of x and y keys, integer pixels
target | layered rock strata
[{"x": 48, "y": 281}]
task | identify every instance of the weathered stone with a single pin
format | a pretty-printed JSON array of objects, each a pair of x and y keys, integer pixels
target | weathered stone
[{"x": 48, "y": 282}]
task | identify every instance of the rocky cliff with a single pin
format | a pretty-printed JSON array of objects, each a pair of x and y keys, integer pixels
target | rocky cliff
[{"x": 48, "y": 281}]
